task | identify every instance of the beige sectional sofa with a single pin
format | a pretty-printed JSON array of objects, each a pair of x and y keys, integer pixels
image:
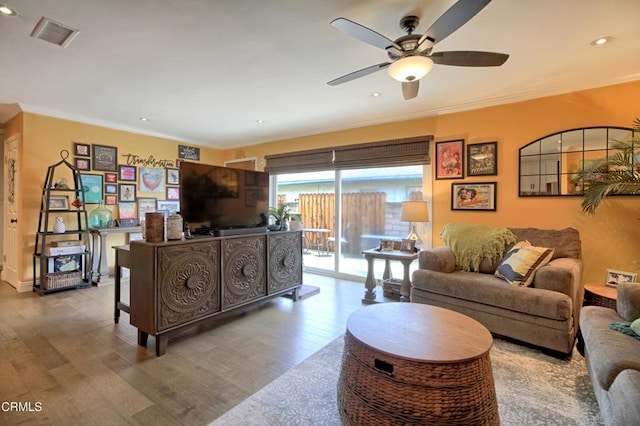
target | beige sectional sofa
[
  {"x": 545, "y": 314},
  {"x": 613, "y": 358}
]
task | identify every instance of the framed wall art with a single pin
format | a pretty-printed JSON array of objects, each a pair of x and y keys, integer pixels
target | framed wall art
[
  {"x": 126, "y": 210},
  {"x": 82, "y": 163},
  {"x": 477, "y": 196},
  {"x": 111, "y": 177},
  {"x": 482, "y": 159},
  {"x": 92, "y": 188},
  {"x": 173, "y": 176},
  {"x": 105, "y": 158},
  {"x": 146, "y": 205},
  {"x": 81, "y": 149},
  {"x": 168, "y": 206},
  {"x": 615, "y": 277},
  {"x": 127, "y": 173},
  {"x": 110, "y": 188},
  {"x": 173, "y": 194},
  {"x": 111, "y": 200},
  {"x": 450, "y": 159},
  {"x": 151, "y": 179},
  {"x": 127, "y": 192}
]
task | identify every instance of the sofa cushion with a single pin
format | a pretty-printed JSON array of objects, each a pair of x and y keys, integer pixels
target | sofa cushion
[
  {"x": 610, "y": 352},
  {"x": 490, "y": 290},
  {"x": 520, "y": 263},
  {"x": 564, "y": 242}
]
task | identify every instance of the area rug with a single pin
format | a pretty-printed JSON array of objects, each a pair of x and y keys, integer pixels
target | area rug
[{"x": 532, "y": 389}]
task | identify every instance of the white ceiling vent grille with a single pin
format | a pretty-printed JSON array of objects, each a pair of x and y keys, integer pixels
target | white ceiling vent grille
[{"x": 54, "y": 32}]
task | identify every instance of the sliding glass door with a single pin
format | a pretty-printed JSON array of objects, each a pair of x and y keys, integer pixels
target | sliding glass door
[{"x": 367, "y": 203}]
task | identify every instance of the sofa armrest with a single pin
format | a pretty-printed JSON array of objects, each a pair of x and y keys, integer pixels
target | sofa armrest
[
  {"x": 563, "y": 275},
  {"x": 439, "y": 259},
  {"x": 628, "y": 301}
]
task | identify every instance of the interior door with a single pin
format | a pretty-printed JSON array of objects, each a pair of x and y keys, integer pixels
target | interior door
[{"x": 11, "y": 246}]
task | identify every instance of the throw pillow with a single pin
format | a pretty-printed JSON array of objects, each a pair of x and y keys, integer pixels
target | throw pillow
[
  {"x": 635, "y": 326},
  {"x": 519, "y": 264}
]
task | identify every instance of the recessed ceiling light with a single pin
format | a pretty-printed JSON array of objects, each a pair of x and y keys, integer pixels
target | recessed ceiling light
[
  {"x": 259, "y": 121},
  {"x": 602, "y": 40},
  {"x": 143, "y": 119},
  {"x": 376, "y": 94},
  {"x": 6, "y": 10}
]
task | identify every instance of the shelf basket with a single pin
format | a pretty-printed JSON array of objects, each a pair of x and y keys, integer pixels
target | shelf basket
[{"x": 56, "y": 280}]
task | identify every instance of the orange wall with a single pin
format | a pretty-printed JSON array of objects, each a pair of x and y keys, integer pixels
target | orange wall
[
  {"x": 44, "y": 137},
  {"x": 610, "y": 239}
]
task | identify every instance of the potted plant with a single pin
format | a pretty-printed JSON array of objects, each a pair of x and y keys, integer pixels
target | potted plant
[
  {"x": 617, "y": 174},
  {"x": 283, "y": 215}
]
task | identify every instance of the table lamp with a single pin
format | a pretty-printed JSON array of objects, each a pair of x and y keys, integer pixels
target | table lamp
[{"x": 414, "y": 211}]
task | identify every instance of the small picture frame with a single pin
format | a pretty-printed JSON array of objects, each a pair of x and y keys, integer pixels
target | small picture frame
[
  {"x": 58, "y": 202},
  {"x": 126, "y": 211},
  {"x": 111, "y": 200},
  {"x": 168, "y": 206},
  {"x": 127, "y": 192},
  {"x": 615, "y": 277},
  {"x": 105, "y": 158},
  {"x": 110, "y": 188},
  {"x": 81, "y": 149},
  {"x": 387, "y": 245},
  {"x": 482, "y": 159},
  {"x": 82, "y": 163},
  {"x": 146, "y": 205},
  {"x": 111, "y": 177},
  {"x": 173, "y": 193},
  {"x": 450, "y": 159},
  {"x": 408, "y": 245},
  {"x": 173, "y": 176},
  {"x": 479, "y": 196},
  {"x": 127, "y": 173}
]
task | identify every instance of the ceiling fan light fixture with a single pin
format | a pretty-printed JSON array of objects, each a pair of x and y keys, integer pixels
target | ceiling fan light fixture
[{"x": 410, "y": 68}]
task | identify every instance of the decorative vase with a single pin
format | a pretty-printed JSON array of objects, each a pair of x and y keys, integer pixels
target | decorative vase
[
  {"x": 174, "y": 227},
  {"x": 100, "y": 217},
  {"x": 59, "y": 227}
]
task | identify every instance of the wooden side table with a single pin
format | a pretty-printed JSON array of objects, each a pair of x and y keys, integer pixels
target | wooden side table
[
  {"x": 405, "y": 257},
  {"x": 600, "y": 295}
]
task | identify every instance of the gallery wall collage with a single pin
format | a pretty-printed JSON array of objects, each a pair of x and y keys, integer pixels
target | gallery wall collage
[
  {"x": 118, "y": 180},
  {"x": 481, "y": 160}
]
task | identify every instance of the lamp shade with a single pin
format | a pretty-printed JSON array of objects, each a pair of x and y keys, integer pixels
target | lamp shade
[
  {"x": 414, "y": 211},
  {"x": 410, "y": 68}
]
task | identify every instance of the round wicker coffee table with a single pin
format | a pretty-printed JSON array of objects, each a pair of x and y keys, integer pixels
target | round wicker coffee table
[{"x": 410, "y": 363}]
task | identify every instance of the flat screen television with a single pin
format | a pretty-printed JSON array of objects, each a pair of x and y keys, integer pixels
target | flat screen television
[{"x": 216, "y": 198}]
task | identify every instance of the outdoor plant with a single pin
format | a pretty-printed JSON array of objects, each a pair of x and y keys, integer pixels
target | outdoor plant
[
  {"x": 283, "y": 215},
  {"x": 619, "y": 173}
]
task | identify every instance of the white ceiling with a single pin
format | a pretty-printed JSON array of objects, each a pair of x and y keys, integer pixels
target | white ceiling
[{"x": 204, "y": 71}]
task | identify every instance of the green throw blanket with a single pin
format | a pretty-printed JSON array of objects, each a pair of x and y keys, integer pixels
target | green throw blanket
[{"x": 471, "y": 243}]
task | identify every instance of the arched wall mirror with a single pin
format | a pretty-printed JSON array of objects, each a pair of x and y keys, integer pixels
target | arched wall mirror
[{"x": 549, "y": 165}]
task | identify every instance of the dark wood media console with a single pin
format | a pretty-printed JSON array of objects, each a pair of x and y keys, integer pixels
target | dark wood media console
[{"x": 179, "y": 284}]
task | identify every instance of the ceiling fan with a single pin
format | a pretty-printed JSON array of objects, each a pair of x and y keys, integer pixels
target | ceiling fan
[{"x": 411, "y": 56}]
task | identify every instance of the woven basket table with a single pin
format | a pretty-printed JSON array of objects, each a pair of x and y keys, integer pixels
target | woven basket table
[{"x": 410, "y": 364}]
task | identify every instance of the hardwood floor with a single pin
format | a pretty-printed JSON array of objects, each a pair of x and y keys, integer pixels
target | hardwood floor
[{"x": 64, "y": 359}]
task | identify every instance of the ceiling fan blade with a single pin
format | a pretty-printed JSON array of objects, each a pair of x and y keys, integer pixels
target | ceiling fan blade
[
  {"x": 359, "y": 73},
  {"x": 465, "y": 58},
  {"x": 410, "y": 89},
  {"x": 455, "y": 17},
  {"x": 365, "y": 34}
]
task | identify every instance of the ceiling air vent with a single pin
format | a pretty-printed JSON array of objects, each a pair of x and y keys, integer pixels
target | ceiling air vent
[{"x": 54, "y": 32}]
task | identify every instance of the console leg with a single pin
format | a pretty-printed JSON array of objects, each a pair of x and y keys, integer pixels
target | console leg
[{"x": 142, "y": 338}]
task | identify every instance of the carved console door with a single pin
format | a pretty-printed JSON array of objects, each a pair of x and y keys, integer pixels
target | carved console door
[
  {"x": 285, "y": 260},
  {"x": 243, "y": 270},
  {"x": 188, "y": 283}
]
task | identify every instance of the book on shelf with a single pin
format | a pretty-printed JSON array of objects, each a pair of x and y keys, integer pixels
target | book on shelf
[
  {"x": 57, "y": 251},
  {"x": 66, "y": 243}
]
